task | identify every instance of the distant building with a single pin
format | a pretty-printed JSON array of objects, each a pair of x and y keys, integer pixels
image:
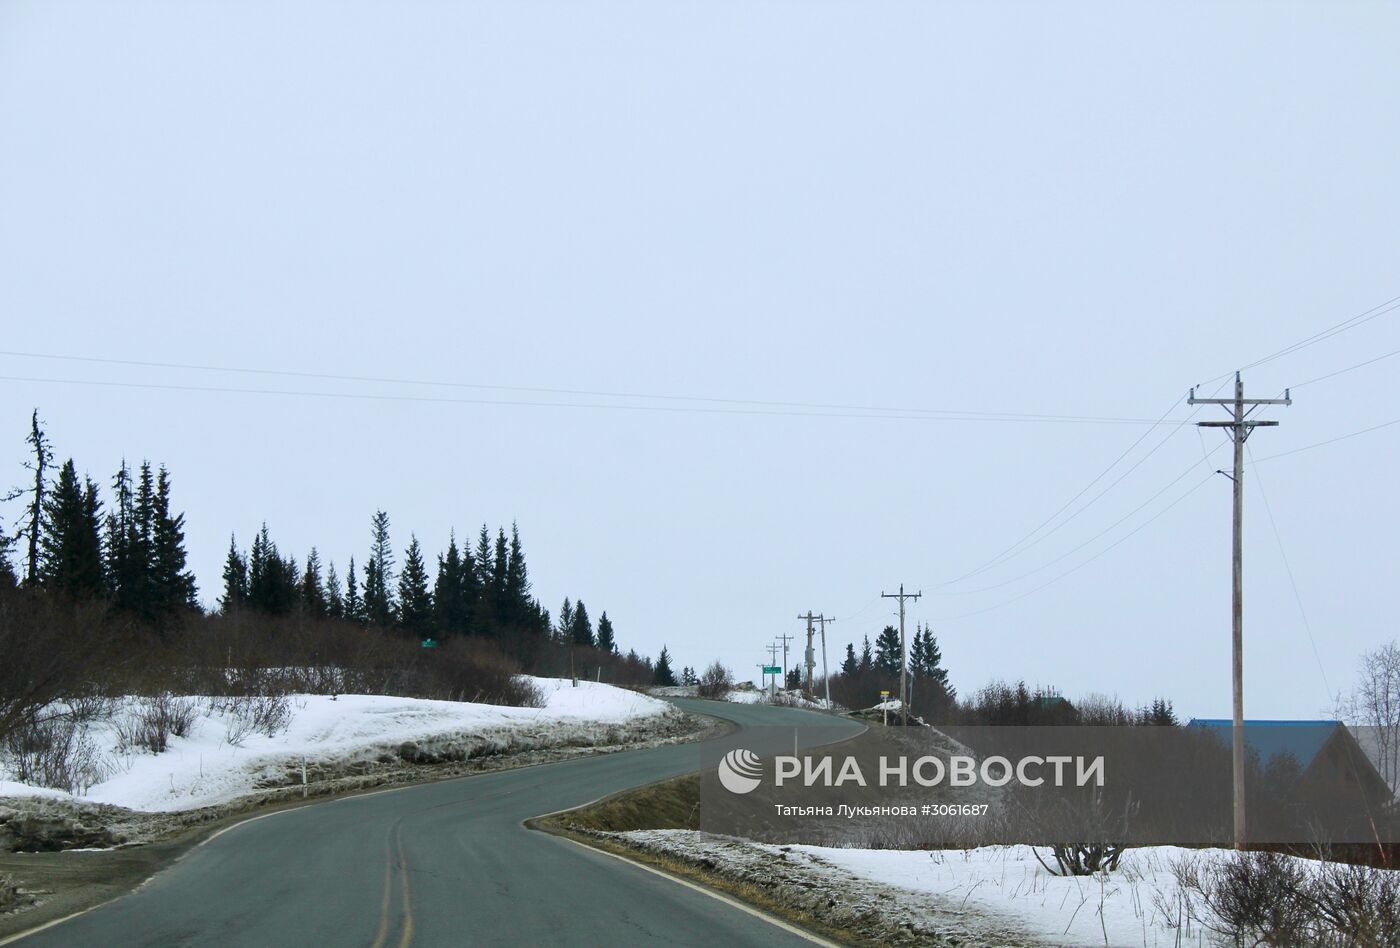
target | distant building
[{"x": 1325, "y": 753}]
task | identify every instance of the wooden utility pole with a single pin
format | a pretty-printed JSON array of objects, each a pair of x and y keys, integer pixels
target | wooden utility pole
[
  {"x": 903, "y": 651},
  {"x": 1239, "y": 430},
  {"x": 809, "y": 656},
  {"x": 785, "y": 639},
  {"x": 826, "y": 676}
]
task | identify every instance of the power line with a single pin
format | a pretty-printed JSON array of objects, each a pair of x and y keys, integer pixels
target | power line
[
  {"x": 956, "y": 414},
  {"x": 1008, "y": 553},
  {"x": 1321, "y": 444},
  {"x": 1389, "y": 306},
  {"x": 1002, "y": 605},
  {"x": 1099, "y": 535},
  {"x": 366, "y": 396},
  {"x": 684, "y": 409},
  {"x": 1350, "y": 368}
]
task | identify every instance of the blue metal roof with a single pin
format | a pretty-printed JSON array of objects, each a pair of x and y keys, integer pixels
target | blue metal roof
[{"x": 1302, "y": 739}]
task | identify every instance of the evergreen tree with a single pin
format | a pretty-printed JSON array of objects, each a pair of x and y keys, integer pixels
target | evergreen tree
[
  {"x": 273, "y": 583},
  {"x": 519, "y": 605},
  {"x": 415, "y": 602},
  {"x": 354, "y": 605},
  {"x": 379, "y": 597},
  {"x": 38, "y": 443},
  {"x": 485, "y": 608},
  {"x": 124, "y": 567},
  {"x": 582, "y": 627},
  {"x": 663, "y": 674},
  {"x": 70, "y": 554},
  {"x": 452, "y": 599},
  {"x": 564, "y": 631},
  {"x": 606, "y": 643},
  {"x": 313, "y": 594},
  {"x": 848, "y": 666},
  {"x": 793, "y": 681},
  {"x": 235, "y": 579},
  {"x": 927, "y": 660},
  {"x": 500, "y": 566},
  {"x": 171, "y": 586},
  {"x": 335, "y": 606},
  {"x": 887, "y": 651},
  {"x": 688, "y": 676}
]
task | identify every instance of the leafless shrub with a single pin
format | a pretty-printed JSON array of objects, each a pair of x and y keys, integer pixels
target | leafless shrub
[
  {"x": 1268, "y": 899},
  {"x": 254, "y": 714},
  {"x": 716, "y": 682},
  {"x": 54, "y": 752},
  {"x": 151, "y": 724}
]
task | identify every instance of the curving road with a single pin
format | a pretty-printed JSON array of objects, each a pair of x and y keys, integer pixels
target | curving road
[{"x": 446, "y": 863}]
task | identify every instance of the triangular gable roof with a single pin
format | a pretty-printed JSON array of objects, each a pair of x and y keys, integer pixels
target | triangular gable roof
[{"x": 1302, "y": 739}]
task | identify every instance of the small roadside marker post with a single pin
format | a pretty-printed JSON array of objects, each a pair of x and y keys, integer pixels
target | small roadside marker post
[{"x": 885, "y": 703}]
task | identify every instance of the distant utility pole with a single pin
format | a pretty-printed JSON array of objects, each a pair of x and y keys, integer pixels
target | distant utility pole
[
  {"x": 903, "y": 661},
  {"x": 785, "y": 639},
  {"x": 773, "y": 661},
  {"x": 810, "y": 658},
  {"x": 1239, "y": 430},
  {"x": 826, "y": 677}
]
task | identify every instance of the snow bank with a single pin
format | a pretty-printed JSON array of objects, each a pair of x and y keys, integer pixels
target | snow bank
[
  {"x": 322, "y": 734},
  {"x": 990, "y": 895}
]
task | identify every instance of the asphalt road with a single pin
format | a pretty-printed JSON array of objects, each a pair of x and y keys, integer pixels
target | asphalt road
[{"x": 445, "y": 863}]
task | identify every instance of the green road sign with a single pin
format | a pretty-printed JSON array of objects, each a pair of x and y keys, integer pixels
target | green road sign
[
  {"x": 772, "y": 670},
  {"x": 430, "y": 643}
]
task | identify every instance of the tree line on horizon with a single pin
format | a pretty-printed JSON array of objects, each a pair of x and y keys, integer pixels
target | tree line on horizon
[{"x": 129, "y": 553}]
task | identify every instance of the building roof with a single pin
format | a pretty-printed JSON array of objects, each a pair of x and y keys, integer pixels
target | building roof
[{"x": 1268, "y": 738}]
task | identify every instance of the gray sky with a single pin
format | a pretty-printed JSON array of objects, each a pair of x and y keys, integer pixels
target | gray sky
[{"x": 1022, "y": 208}]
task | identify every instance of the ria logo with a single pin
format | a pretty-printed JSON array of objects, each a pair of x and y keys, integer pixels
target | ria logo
[{"x": 740, "y": 771}]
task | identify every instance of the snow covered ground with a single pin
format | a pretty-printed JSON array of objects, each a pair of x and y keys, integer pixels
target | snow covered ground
[
  {"x": 215, "y": 763},
  {"x": 991, "y": 895}
]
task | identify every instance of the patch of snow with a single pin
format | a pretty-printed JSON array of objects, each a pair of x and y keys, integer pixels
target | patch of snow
[{"x": 205, "y": 769}]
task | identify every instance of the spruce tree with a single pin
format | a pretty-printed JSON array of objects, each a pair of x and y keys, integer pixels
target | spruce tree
[
  {"x": 451, "y": 609},
  {"x": 379, "y": 597},
  {"x": 38, "y": 443},
  {"x": 335, "y": 606},
  {"x": 484, "y": 611},
  {"x": 848, "y": 665},
  {"x": 519, "y": 605},
  {"x": 70, "y": 553},
  {"x": 500, "y": 567},
  {"x": 564, "y": 630},
  {"x": 313, "y": 594},
  {"x": 867, "y": 662},
  {"x": 606, "y": 643},
  {"x": 582, "y": 626},
  {"x": 123, "y": 567},
  {"x": 415, "y": 602},
  {"x": 235, "y": 579},
  {"x": 663, "y": 674},
  {"x": 171, "y": 586},
  {"x": 887, "y": 651},
  {"x": 354, "y": 605}
]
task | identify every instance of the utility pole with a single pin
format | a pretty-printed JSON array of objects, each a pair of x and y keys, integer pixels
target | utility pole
[
  {"x": 810, "y": 659},
  {"x": 1239, "y": 430},
  {"x": 785, "y": 639},
  {"x": 772, "y": 662},
  {"x": 826, "y": 676},
  {"x": 903, "y": 651}
]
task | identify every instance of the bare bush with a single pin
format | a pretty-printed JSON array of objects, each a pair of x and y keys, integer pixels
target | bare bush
[
  {"x": 1261, "y": 898},
  {"x": 716, "y": 682},
  {"x": 150, "y": 725},
  {"x": 254, "y": 714},
  {"x": 54, "y": 752}
]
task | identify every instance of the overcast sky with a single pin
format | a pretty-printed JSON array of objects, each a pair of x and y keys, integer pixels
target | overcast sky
[{"x": 1073, "y": 210}]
